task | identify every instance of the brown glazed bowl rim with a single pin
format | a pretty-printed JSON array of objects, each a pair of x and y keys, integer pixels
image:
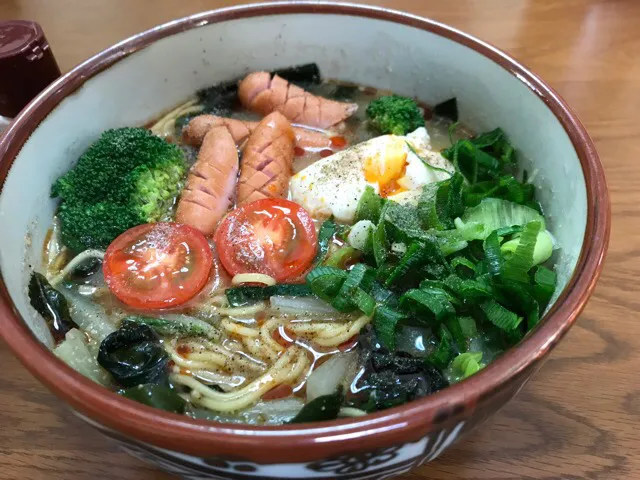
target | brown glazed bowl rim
[{"x": 277, "y": 444}]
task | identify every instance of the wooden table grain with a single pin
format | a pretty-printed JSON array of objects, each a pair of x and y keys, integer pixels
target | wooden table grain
[{"x": 580, "y": 417}]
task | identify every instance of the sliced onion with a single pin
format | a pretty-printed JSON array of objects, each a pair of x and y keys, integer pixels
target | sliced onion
[
  {"x": 89, "y": 316},
  {"x": 75, "y": 351},
  {"x": 53, "y": 246},
  {"x": 328, "y": 376},
  {"x": 226, "y": 382},
  {"x": 302, "y": 306},
  {"x": 183, "y": 318},
  {"x": 346, "y": 412},
  {"x": 286, "y": 408},
  {"x": 274, "y": 412},
  {"x": 74, "y": 263}
]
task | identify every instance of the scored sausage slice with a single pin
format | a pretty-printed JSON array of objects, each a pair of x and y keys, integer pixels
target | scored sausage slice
[
  {"x": 194, "y": 132},
  {"x": 264, "y": 94},
  {"x": 267, "y": 160},
  {"x": 211, "y": 183}
]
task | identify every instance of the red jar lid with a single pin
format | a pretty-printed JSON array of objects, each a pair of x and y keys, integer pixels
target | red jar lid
[{"x": 27, "y": 64}]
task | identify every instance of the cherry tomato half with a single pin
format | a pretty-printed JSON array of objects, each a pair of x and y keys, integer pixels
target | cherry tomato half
[
  {"x": 157, "y": 265},
  {"x": 273, "y": 236}
]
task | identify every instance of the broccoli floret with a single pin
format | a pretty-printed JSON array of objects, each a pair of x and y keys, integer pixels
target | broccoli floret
[
  {"x": 395, "y": 114},
  {"x": 126, "y": 178}
]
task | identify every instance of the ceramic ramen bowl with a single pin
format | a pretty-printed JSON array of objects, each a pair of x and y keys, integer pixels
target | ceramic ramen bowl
[{"x": 137, "y": 79}]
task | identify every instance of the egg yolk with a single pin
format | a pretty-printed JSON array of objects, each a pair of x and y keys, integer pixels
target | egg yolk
[{"x": 386, "y": 168}]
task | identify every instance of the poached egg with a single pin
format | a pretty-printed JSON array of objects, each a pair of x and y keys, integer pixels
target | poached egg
[{"x": 334, "y": 185}]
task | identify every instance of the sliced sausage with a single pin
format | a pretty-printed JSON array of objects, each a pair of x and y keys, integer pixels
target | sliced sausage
[
  {"x": 211, "y": 183},
  {"x": 266, "y": 160},
  {"x": 197, "y": 128},
  {"x": 194, "y": 132},
  {"x": 263, "y": 94}
]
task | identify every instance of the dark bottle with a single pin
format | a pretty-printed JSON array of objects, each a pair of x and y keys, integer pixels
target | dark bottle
[{"x": 27, "y": 66}]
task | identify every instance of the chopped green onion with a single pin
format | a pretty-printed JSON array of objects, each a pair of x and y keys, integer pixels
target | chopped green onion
[
  {"x": 507, "y": 188},
  {"x": 488, "y": 139},
  {"x": 517, "y": 266},
  {"x": 507, "y": 231},
  {"x": 430, "y": 300},
  {"x": 415, "y": 256},
  {"x": 544, "y": 284},
  {"x": 325, "y": 282},
  {"x": 485, "y": 156},
  {"x": 384, "y": 271},
  {"x": 432, "y": 205},
  {"x": 425, "y": 162},
  {"x": 495, "y": 214},
  {"x": 385, "y": 321},
  {"x": 379, "y": 244},
  {"x": 441, "y": 202},
  {"x": 468, "y": 326},
  {"x": 342, "y": 257},
  {"x": 542, "y": 251},
  {"x": 427, "y": 284},
  {"x": 383, "y": 295},
  {"x": 455, "y": 204},
  {"x": 501, "y": 317},
  {"x": 360, "y": 277},
  {"x": 462, "y": 155},
  {"x": 519, "y": 296},
  {"x": 495, "y": 143},
  {"x": 451, "y": 244},
  {"x": 493, "y": 255},
  {"x": 463, "y": 266},
  {"x": 369, "y": 206},
  {"x": 469, "y": 289},
  {"x": 472, "y": 162},
  {"x": 466, "y": 364},
  {"x": 444, "y": 352},
  {"x": 402, "y": 223},
  {"x": 327, "y": 230},
  {"x": 533, "y": 315},
  {"x": 452, "y": 241},
  {"x": 490, "y": 163},
  {"x": 461, "y": 341},
  {"x": 364, "y": 302}
]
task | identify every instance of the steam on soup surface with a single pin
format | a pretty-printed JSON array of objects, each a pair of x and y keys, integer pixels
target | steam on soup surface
[{"x": 284, "y": 248}]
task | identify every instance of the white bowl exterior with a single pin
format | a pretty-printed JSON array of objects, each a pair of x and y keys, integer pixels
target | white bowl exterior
[{"x": 372, "y": 52}]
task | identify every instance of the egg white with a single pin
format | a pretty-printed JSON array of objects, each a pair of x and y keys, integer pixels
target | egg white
[{"x": 334, "y": 185}]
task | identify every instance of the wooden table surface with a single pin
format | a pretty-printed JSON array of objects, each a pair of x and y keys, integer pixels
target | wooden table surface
[{"x": 580, "y": 417}]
